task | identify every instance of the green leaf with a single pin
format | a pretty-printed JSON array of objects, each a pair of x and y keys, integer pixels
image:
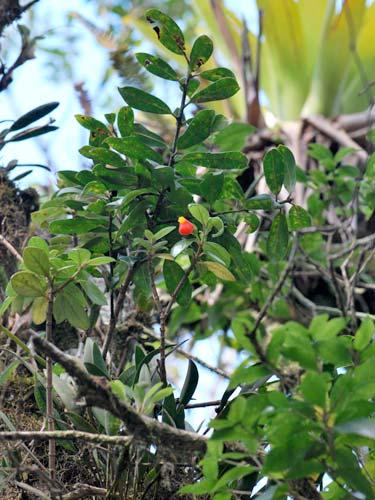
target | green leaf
[
  {"x": 274, "y": 170},
  {"x": 364, "y": 334},
  {"x": 260, "y": 202},
  {"x": 163, "y": 232},
  {"x": 199, "y": 212},
  {"x": 198, "y": 130},
  {"x": 39, "y": 310},
  {"x": 221, "y": 161},
  {"x": 116, "y": 178},
  {"x": 314, "y": 389},
  {"x": 103, "y": 155},
  {"x": 217, "y": 224},
  {"x": 211, "y": 186},
  {"x": 36, "y": 260},
  {"x": 70, "y": 304},
  {"x": 201, "y": 52},
  {"x": 168, "y": 32},
  {"x": 139, "y": 99},
  {"x": 135, "y": 217},
  {"x": 215, "y": 74},
  {"x": 27, "y": 284},
  {"x": 217, "y": 253},
  {"x": 33, "y": 115},
  {"x": 289, "y": 168},
  {"x": 298, "y": 218},
  {"x": 98, "y": 360},
  {"x": 190, "y": 384},
  {"x": 218, "y": 270},
  {"x": 78, "y": 225},
  {"x": 173, "y": 274},
  {"x": 125, "y": 121},
  {"x": 90, "y": 123},
  {"x": 156, "y": 66},
  {"x": 233, "y": 137},
  {"x": 100, "y": 261},
  {"x": 277, "y": 243},
  {"x": 134, "y": 148},
  {"x": 8, "y": 372},
  {"x": 79, "y": 255},
  {"x": 94, "y": 293},
  {"x": 32, "y": 132},
  {"x": 216, "y": 91},
  {"x": 362, "y": 427}
]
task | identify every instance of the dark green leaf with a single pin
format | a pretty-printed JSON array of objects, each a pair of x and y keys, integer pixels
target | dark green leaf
[
  {"x": 211, "y": 186},
  {"x": 274, "y": 170},
  {"x": 289, "y": 168},
  {"x": 33, "y": 115},
  {"x": 314, "y": 389},
  {"x": 116, "y": 178},
  {"x": 190, "y": 384},
  {"x": 78, "y": 225},
  {"x": 260, "y": 202},
  {"x": 173, "y": 274},
  {"x": 217, "y": 253},
  {"x": 125, "y": 121},
  {"x": 103, "y": 155},
  {"x": 90, "y": 123},
  {"x": 216, "y": 91},
  {"x": 139, "y": 99},
  {"x": 156, "y": 66},
  {"x": 32, "y": 132},
  {"x": 168, "y": 32},
  {"x": 201, "y": 52},
  {"x": 133, "y": 147},
  {"x": 198, "y": 130},
  {"x": 277, "y": 243},
  {"x": 298, "y": 218},
  {"x": 233, "y": 137},
  {"x": 135, "y": 217},
  {"x": 222, "y": 161}
]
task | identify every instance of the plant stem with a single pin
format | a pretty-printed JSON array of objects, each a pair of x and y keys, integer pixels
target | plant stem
[
  {"x": 49, "y": 389},
  {"x": 179, "y": 119}
]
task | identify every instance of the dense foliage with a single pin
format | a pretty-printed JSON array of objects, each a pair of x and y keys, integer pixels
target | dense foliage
[{"x": 158, "y": 237}]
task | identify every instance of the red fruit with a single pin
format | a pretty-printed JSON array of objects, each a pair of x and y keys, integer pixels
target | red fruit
[{"x": 186, "y": 227}]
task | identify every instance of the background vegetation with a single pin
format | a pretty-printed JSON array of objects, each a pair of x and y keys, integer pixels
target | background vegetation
[{"x": 189, "y": 311}]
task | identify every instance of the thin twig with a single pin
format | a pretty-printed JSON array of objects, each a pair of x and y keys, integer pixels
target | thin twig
[
  {"x": 10, "y": 247},
  {"x": 70, "y": 435}
]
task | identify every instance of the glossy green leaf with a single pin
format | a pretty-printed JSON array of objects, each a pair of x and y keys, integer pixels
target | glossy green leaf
[
  {"x": 274, "y": 170},
  {"x": 90, "y": 123},
  {"x": 139, "y": 99},
  {"x": 168, "y": 32},
  {"x": 125, "y": 121},
  {"x": 198, "y": 130},
  {"x": 233, "y": 137},
  {"x": 199, "y": 212},
  {"x": 201, "y": 52},
  {"x": 217, "y": 253},
  {"x": 314, "y": 389},
  {"x": 211, "y": 186},
  {"x": 221, "y": 161},
  {"x": 260, "y": 202},
  {"x": 78, "y": 225},
  {"x": 298, "y": 218},
  {"x": 216, "y": 91},
  {"x": 134, "y": 148},
  {"x": 173, "y": 274},
  {"x": 156, "y": 66},
  {"x": 289, "y": 168},
  {"x": 277, "y": 243},
  {"x": 103, "y": 155}
]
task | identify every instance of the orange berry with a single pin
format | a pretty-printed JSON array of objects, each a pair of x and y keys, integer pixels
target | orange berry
[{"x": 185, "y": 227}]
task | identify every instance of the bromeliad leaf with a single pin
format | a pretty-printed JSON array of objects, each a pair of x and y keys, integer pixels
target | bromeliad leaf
[
  {"x": 33, "y": 115},
  {"x": 139, "y": 99},
  {"x": 277, "y": 243},
  {"x": 200, "y": 127},
  {"x": 168, "y": 32},
  {"x": 274, "y": 170},
  {"x": 216, "y": 91},
  {"x": 201, "y": 52},
  {"x": 156, "y": 66}
]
